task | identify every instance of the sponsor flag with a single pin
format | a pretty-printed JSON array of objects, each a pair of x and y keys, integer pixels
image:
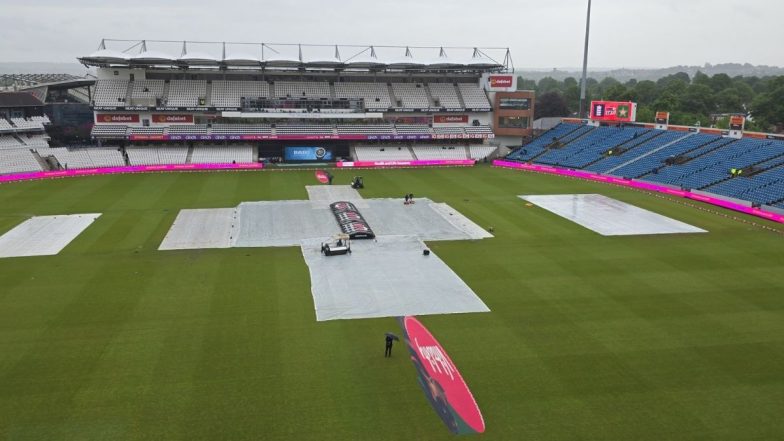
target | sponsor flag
[
  {"x": 440, "y": 380},
  {"x": 322, "y": 176}
]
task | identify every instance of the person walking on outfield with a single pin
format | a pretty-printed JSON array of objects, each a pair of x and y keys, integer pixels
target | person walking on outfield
[{"x": 388, "y": 350}]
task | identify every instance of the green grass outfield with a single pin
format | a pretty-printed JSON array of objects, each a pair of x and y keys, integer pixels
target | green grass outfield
[{"x": 595, "y": 338}]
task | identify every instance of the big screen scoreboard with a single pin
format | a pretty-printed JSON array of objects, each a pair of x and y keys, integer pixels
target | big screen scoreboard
[{"x": 614, "y": 111}]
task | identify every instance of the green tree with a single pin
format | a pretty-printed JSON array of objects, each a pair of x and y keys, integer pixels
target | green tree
[
  {"x": 646, "y": 92},
  {"x": 523, "y": 84},
  {"x": 698, "y": 99},
  {"x": 551, "y": 104},
  {"x": 767, "y": 110},
  {"x": 729, "y": 101},
  {"x": 548, "y": 84}
]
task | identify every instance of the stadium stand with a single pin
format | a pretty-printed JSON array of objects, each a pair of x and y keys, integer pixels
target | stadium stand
[
  {"x": 206, "y": 154},
  {"x": 18, "y": 161},
  {"x": 428, "y": 152},
  {"x": 10, "y": 142},
  {"x": 186, "y": 93},
  {"x": 311, "y": 129},
  {"x": 109, "y": 131},
  {"x": 86, "y": 157},
  {"x": 715, "y": 165},
  {"x": 187, "y": 129},
  {"x": 383, "y": 153},
  {"x": 473, "y": 96},
  {"x": 480, "y": 152},
  {"x": 444, "y": 95},
  {"x": 374, "y": 95},
  {"x": 230, "y": 93},
  {"x": 147, "y": 92},
  {"x": 411, "y": 95},
  {"x": 372, "y": 129},
  {"x": 240, "y": 129},
  {"x": 302, "y": 89},
  {"x": 110, "y": 92},
  {"x": 412, "y": 129},
  {"x": 688, "y": 160},
  {"x": 156, "y": 155}
]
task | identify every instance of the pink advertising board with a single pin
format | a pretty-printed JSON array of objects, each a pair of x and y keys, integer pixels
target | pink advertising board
[
  {"x": 118, "y": 170},
  {"x": 423, "y": 163}
]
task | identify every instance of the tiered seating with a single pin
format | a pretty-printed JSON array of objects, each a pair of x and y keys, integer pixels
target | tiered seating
[
  {"x": 715, "y": 166},
  {"x": 375, "y": 95},
  {"x": 480, "y": 152},
  {"x": 29, "y": 123},
  {"x": 157, "y": 155},
  {"x": 5, "y": 125},
  {"x": 473, "y": 96},
  {"x": 538, "y": 145},
  {"x": 110, "y": 92},
  {"x": 411, "y": 95},
  {"x": 763, "y": 188},
  {"x": 146, "y": 92},
  {"x": 10, "y": 142},
  {"x": 222, "y": 154},
  {"x": 365, "y": 129},
  {"x": 186, "y": 93},
  {"x": 385, "y": 153},
  {"x": 302, "y": 89},
  {"x": 109, "y": 131},
  {"x": 412, "y": 129},
  {"x": 430, "y": 152},
  {"x": 228, "y": 93},
  {"x": 446, "y": 95},
  {"x": 478, "y": 130},
  {"x": 448, "y": 131},
  {"x": 146, "y": 130},
  {"x": 309, "y": 129},
  {"x": 18, "y": 161},
  {"x": 638, "y": 147},
  {"x": 708, "y": 159},
  {"x": 241, "y": 129},
  {"x": 88, "y": 157},
  {"x": 590, "y": 148},
  {"x": 656, "y": 160},
  {"x": 35, "y": 141},
  {"x": 187, "y": 129}
]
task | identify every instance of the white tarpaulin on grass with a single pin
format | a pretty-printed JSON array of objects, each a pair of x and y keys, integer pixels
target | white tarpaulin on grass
[
  {"x": 201, "y": 228},
  {"x": 389, "y": 277},
  {"x": 323, "y": 195},
  {"x": 44, "y": 235},
  {"x": 610, "y": 217},
  {"x": 282, "y": 223}
]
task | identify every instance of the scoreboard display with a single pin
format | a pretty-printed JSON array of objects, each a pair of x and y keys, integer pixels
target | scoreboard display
[{"x": 613, "y": 111}]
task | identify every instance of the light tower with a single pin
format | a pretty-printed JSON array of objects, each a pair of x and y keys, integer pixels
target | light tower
[{"x": 584, "y": 84}]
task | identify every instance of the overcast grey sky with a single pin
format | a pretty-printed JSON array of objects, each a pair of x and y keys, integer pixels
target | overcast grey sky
[{"x": 541, "y": 33}]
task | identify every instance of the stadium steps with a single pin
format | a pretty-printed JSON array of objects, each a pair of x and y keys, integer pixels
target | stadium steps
[
  {"x": 44, "y": 161},
  {"x": 165, "y": 96},
  {"x": 467, "y": 152},
  {"x": 208, "y": 93},
  {"x": 189, "y": 156},
  {"x": 460, "y": 97},
  {"x": 256, "y": 154},
  {"x": 641, "y": 138},
  {"x": 413, "y": 153},
  {"x": 633, "y": 160},
  {"x": 332, "y": 94},
  {"x": 271, "y": 86},
  {"x": 430, "y": 100},
  {"x": 79, "y": 95},
  {"x": 392, "y": 95},
  {"x": 128, "y": 93},
  {"x": 719, "y": 145}
]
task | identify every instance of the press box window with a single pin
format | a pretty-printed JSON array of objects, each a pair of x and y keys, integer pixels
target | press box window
[
  {"x": 515, "y": 104},
  {"x": 513, "y": 122}
]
